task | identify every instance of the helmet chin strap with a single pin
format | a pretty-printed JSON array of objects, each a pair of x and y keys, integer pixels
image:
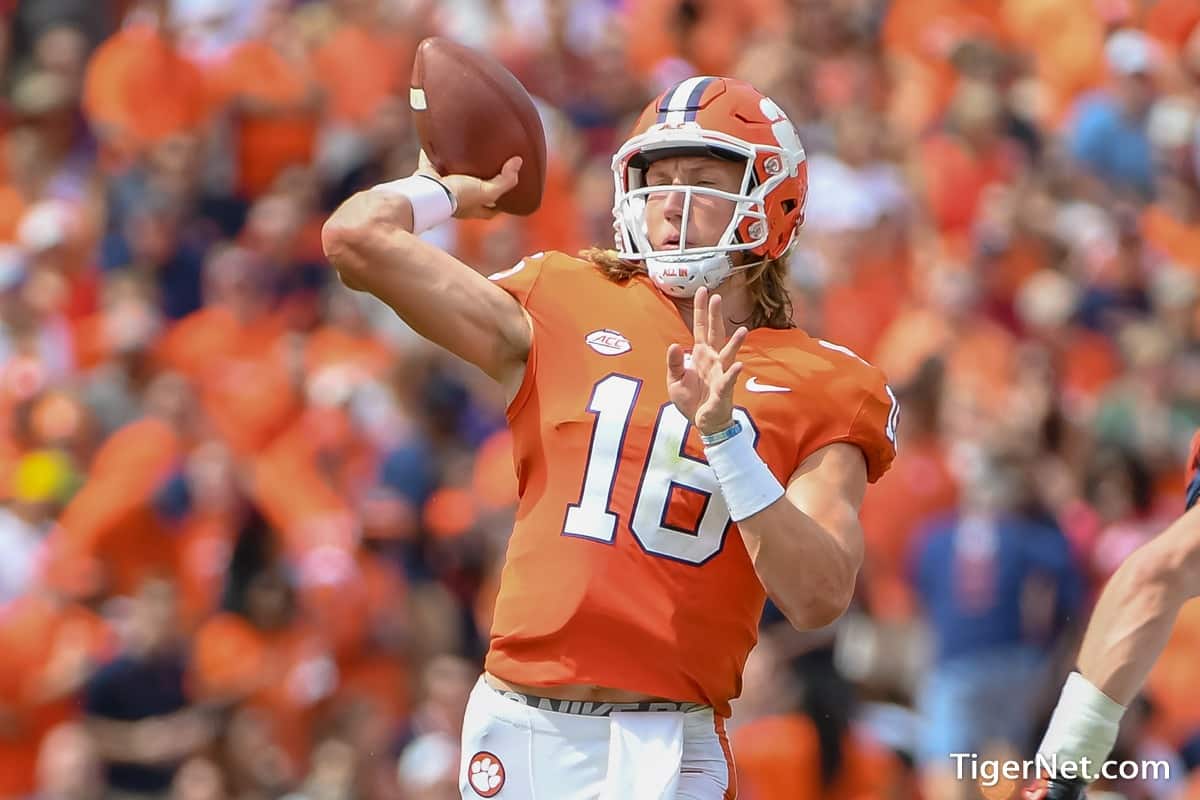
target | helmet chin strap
[
  {"x": 682, "y": 277},
  {"x": 696, "y": 272}
]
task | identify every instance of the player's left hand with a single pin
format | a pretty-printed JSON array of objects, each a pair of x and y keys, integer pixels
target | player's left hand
[{"x": 703, "y": 389}]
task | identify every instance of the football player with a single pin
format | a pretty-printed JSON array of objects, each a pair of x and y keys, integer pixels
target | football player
[
  {"x": 1127, "y": 633},
  {"x": 682, "y": 449}
]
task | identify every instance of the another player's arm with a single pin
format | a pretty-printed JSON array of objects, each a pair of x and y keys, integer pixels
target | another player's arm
[
  {"x": 369, "y": 241},
  {"x": 1128, "y": 630}
]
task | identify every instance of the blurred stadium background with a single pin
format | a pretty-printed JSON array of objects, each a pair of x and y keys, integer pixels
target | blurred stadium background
[{"x": 251, "y": 525}]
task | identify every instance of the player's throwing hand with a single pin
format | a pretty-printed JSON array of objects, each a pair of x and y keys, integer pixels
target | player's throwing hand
[
  {"x": 702, "y": 390},
  {"x": 474, "y": 197}
]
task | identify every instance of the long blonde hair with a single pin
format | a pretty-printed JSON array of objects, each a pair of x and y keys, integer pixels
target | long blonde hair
[{"x": 767, "y": 283}]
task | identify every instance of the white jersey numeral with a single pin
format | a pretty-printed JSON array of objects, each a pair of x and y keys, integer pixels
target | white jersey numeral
[
  {"x": 667, "y": 470},
  {"x": 612, "y": 403}
]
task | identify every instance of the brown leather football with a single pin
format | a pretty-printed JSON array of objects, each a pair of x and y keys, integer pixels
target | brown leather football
[{"x": 472, "y": 115}]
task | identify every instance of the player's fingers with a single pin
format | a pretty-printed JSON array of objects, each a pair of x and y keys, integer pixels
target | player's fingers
[
  {"x": 492, "y": 190},
  {"x": 730, "y": 350},
  {"x": 700, "y": 316},
  {"x": 716, "y": 322},
  {"x": 729, "y": 380},
  {"x": 675, "y": 368},
  {"x": 508, "y": 177}
]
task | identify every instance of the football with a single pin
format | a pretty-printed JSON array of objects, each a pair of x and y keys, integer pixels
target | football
[{"x": 472, "y": 115}]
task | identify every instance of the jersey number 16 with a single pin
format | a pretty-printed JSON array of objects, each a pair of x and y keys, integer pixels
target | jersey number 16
[{"x": 667, "y": 467}]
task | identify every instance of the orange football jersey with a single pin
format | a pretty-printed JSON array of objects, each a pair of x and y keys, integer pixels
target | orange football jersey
[{"x": 624, "y": 569}]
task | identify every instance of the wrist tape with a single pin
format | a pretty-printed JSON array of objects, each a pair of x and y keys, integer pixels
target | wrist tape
[
  {"x": 432, "y": 203},
  {"x": 746, "y": 483}
]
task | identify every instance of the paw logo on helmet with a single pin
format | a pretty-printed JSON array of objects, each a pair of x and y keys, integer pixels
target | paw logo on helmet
[{"x": 485, "y": 774}]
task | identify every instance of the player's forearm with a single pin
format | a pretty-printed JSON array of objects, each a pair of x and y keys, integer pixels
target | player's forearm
[
  {"x": 807, "y": 571},
  {"x": 1133, "y": 620},
  {"x": 1127, "y": 632}
]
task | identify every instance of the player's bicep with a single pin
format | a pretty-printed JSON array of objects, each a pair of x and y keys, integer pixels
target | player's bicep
[
  {"x": 473, "y": 318},
  {"x": 829, "y": 487}
]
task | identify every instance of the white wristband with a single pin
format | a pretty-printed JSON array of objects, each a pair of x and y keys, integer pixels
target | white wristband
[
  {"x": 432, "y": 202},
  {"x": 746, "y": 483},
  {"x": 1084, "y": 726}
]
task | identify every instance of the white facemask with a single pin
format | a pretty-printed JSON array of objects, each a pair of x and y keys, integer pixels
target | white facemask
[{"x": 680, "y": 271}]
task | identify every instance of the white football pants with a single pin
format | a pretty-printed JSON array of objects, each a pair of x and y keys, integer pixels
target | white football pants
[{"x": 515, "y": 751}]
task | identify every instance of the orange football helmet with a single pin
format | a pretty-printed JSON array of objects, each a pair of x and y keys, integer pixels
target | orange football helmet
[{"x": 722, "y": 118}]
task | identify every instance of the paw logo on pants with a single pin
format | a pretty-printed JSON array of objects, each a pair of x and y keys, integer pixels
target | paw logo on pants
[{"x": 486, "y": 774}]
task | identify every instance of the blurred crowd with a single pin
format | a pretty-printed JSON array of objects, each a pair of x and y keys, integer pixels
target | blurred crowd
[{"x": 251, "y": 524}]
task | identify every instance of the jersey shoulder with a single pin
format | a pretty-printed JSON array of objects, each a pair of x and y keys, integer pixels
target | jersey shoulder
[
  {"x": 841, "y": 392},
  {"x": 545, "y": 273}
]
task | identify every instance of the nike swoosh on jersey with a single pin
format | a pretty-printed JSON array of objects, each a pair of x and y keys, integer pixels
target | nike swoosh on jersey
[{"x": 754, "y": 386}]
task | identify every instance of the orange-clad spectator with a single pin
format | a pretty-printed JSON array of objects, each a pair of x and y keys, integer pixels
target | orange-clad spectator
[
  {"x": 233, "y": 349},
  {"x": 929, "y": 30},
  {"x": 1172, "y": 23},
  {"x": 113, "y": 519},
  {"x": 1065, "y": 39},
  {"x": 709, "y": 36},
  {"x": 1085, "y": 361},
  {"x": 778, "y": 751},
  {"x": 262, "y": 654},
  {"x": 872, "y": 771},
  {"x": 112, "y": 534},
  {"x": 980, "y": 356},
  {"x": 305, "y": 480},
  {"x": 922, "y": 37},
  {"x": 125, "y": 324},
  {"x": 374, "y": 668},
  {"x": 205, "y": 541},
  {"x": 921, "y": 488},
  {"x": 347, "y": 341},
  {"x": 50, "y": 647},
  {"x": 361, "y": 65},
  {"x": 269, "y": 85},
  {"x": 12, "y": 209},
  {"x": 961, "y": 164},
  {"x": 981, "y": 369},
  {"x": 1172, "y": 229},
  {"x": 856, "y": 313},
  {"x": 138, "y": 63},
  {"x": 206, "y": 532},
  {"x": 778, "y": 757}
]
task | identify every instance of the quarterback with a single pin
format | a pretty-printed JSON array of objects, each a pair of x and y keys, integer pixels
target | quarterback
[{"x": 682, "y": 450}]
